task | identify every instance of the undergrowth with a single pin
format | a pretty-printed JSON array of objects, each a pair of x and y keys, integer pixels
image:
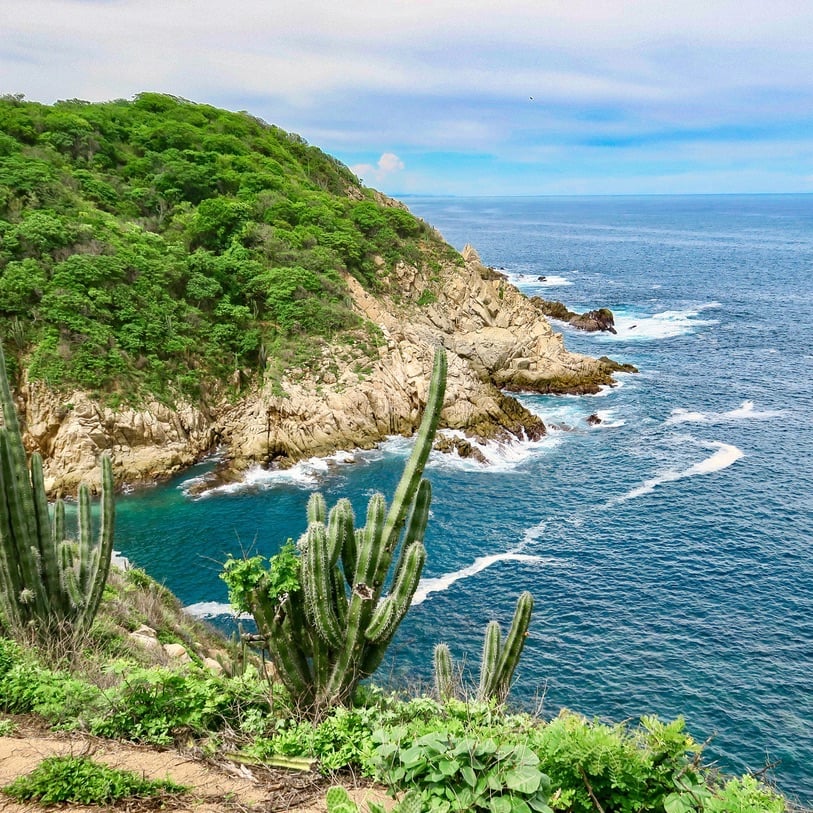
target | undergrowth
[{"x": 80, "y": 780}]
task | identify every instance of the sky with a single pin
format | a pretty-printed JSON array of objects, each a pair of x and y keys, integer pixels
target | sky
[{"x": 445, "y": 97}]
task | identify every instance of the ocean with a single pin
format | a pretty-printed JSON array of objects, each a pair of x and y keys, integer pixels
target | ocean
[{"x": 669, "y": 548}]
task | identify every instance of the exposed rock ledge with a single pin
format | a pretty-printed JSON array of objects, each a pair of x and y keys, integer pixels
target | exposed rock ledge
[{"x": 496, "y": 338}]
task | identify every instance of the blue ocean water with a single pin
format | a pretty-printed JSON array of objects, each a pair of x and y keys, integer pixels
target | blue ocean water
[{"x": 670, "y": 548}]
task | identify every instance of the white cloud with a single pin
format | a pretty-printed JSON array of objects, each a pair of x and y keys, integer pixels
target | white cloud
[{"x": 388, "y": 165}]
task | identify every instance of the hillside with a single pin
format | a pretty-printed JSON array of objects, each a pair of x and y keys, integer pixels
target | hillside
[{"x": 174, "y": 276}]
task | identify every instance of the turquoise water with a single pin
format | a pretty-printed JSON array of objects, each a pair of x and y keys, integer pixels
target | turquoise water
[{"x": 668, "y": 548}]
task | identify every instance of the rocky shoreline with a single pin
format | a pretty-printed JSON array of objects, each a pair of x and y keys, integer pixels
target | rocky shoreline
[{"x": 497, "y": 339}]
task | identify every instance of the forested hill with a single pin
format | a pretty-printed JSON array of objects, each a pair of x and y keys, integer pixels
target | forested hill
[{"x": 157, "y": 246}]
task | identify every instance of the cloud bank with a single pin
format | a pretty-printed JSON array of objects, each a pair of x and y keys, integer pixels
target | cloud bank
[{"x": 525, "y": 97}]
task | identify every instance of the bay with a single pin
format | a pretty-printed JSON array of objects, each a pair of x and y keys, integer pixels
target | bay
[{"x": 669, "y": 547}]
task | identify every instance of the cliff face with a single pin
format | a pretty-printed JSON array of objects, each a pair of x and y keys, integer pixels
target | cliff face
[{"x": 496, "y": 338}]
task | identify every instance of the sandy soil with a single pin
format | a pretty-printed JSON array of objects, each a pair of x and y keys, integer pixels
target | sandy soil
[{"x": 217, "y": 785}]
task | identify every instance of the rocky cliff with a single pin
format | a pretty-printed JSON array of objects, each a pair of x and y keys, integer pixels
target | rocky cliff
[{"x": 347, "y": 398}]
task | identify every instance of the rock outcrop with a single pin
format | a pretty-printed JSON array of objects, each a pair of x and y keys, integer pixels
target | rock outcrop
[
  {"x": 591, "y": 321},
  {"x": 348, "y": 397}
]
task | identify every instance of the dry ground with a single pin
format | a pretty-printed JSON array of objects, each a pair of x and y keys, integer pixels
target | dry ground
[{"x": 218, "y": 786}]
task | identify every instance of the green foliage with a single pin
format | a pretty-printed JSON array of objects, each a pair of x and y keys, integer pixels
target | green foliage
[
  {"x": 80, "y": 780},
  {"x": 157, "y": 246},
  {"x": 337, "y": 800},
  {"x": 50, "y": 586},
  {"x": 278, "y": 579},
  {"x": 159, "y": 705},
  {"x": 453, "y": 773},
  {"x": 7, "y": 728},
  {"x": 744, "y": 795}
]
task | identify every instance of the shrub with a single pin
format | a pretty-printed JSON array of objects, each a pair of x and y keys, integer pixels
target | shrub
[{"x": 82, "y": 781}]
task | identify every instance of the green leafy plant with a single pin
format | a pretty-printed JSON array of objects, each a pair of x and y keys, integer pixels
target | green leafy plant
[
  {"x": 80, "y": 780},
  {"x": 328, "y": 626},
  {"x": 338, "y": 800},
  {"x": 50, "y": 587},
  {"x": 456, "y": 773},
  {"x": 499, "y": 659}
]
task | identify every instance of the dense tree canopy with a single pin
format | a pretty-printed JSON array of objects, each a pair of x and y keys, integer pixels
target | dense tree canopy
[{"x": 154, "y": 245}]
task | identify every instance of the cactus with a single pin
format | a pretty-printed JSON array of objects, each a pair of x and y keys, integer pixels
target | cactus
[
  {"x": 50, "y": 587},
  {"x": 499, "y": 660},
  {"x": 334, "y": 629}
]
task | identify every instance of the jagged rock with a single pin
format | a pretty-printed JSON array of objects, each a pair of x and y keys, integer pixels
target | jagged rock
[
  {"x": 464, "y": 448},
  {"x": 599, "y": 319},
  {"x": 593, "y": 419}
]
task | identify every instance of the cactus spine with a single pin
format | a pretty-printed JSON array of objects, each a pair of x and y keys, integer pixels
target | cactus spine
[
  {"x": 499, "y": 660},
  {"x": 50, "y": 587},
  {"x": 334, "y": 630}
]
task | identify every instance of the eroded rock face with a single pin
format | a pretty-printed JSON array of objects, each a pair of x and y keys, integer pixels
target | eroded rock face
[
  {"x": 70, "y": 432},
  {"x": 495, "y": 337}
]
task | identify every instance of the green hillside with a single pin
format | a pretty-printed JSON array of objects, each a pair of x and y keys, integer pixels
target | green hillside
[{"x": 158, "y": 246}]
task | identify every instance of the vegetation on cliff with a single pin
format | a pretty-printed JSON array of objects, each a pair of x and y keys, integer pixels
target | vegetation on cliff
[{"x": 157, "y": 246}]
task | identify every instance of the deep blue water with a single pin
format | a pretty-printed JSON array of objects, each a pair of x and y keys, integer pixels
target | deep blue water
[{"x": 669, "y": 549}]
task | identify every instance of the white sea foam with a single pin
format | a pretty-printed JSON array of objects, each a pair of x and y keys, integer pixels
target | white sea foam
[
  {"x": 438, "y": 584},
  {"x": 663, "y": 325},
  {"x": 499, "y": 456},
  {"x": 212, "y": 609},
  {"x": 744, "y": 412},
  {"x": 725, "y": 455},
  {"x": 608, "y": 419},
  {"x": 305, "y": 474},
  {"x": 530, "y": 280}
]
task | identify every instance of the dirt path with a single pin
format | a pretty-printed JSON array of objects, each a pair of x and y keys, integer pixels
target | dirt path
[{"x": 217, "y": 786}]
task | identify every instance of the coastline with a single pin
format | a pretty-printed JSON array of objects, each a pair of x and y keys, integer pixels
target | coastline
[{"x": 497, "y": 339}]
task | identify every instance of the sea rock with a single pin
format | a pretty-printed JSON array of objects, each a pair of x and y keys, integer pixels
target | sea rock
[
  {"x": 599, "y": 319},
  {"x": 593, "y": 419},
  {"x": 462, "y": 447}
]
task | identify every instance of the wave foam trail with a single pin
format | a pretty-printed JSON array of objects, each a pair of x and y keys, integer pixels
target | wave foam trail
[
  {"x": 725, "y": 456},
  {"x": 438, "y": 584},
  {"x": 745, "y": 412}
]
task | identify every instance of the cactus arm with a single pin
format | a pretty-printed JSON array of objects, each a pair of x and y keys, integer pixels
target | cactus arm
[
  {"x": 317, "y": 584},
  {"x": 408, "y": 484},
  {"x": 489, "y": 665},
  {"x": 58, "y": 525},
  {"x": 104, "y": 547},
  {"x": 371, "y": 547},
  {"x": 317, "y": 508},
  {"x": 444, "y": 682},
  {"x": 285, "y": 653},
  {"x": 399, "y": 600},
  {"x": 416, "y": 525},
  {"x": 514, "y": 643}
]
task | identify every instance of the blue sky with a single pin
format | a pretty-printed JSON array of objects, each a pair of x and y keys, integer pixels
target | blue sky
[{"x": 471, "y": 98}]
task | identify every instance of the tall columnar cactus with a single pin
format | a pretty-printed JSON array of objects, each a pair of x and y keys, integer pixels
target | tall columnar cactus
[
  {"x": 329, "y": 627},
  {"x": 499, "y": 660},
  {"x": 50, "y": 587}
]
